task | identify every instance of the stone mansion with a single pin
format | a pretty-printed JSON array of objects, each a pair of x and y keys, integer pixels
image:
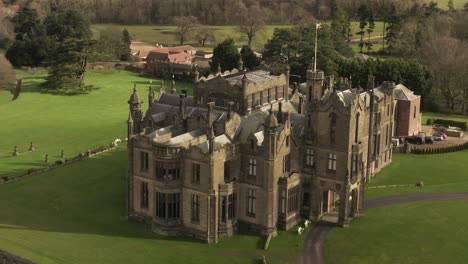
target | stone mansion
[{"x": 246, "y": 149}]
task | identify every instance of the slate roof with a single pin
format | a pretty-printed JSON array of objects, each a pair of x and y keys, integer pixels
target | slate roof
[
  {"x": 405, "y": 94},
  {"x": 257, "y": 76}
]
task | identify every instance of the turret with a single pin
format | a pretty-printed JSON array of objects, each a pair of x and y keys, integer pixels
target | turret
[
  {"x": 196, "y": 75},
  {"x": 151, "y": 95},
  {"x": 240, "y": 64},
  {"x": 218, "y": 70},
  {"x": 270, "y": 127},
  {"x": 129, "y": 126},
  {"x": 280, "y": 112},
  {"x": 211, "y": 138},
  {"x": 314, "y": 83},
  {"x": 135, "y": 103},
  {"x": 210, "y": 114},
  {"x": 287, "y": 76}
]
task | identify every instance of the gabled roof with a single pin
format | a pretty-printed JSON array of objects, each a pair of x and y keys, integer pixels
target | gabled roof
[{"x": 405, "y": 94}]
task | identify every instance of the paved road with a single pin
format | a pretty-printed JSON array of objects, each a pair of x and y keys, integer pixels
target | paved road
[{"x": 314, "y": 240}]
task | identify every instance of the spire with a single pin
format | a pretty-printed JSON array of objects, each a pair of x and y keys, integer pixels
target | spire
[
  {"x": 240, "y": 64},
  {"x": 218, "y": 70},
  {"x": 271, "y": 120},
  {"x": 150, "y": 95},
  {"x": 280, "y": 112},
  {"x": 196, "y": 74},
  {"x": 211, "y": 136},
  {"x": 244, "y": 82}
]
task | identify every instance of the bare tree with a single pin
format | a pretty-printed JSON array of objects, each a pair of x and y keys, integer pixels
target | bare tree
[
  {"x": 185, "y": 26},
  {"x": 251, "y": 23},
  {"x": 448, "y": 59},
  {"x": 205, "y": 35},
  {"x": 7, "y": 75}
]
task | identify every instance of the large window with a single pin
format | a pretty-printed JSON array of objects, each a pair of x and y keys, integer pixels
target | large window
[
  {"x": 310, "y": 157},
  {"x": 144, "y": 159},
  {"x": 356, "y": 132},
  {"x": 283, "y": 202},
  {"x": 195, "y": 208},
  {"x": 293, "y": 199},
  {"x": 144, "y": 195},
  {"x": 251, "y": 202},
  {"x": 168, "y": 205},
  {"x": 167, "y": 171},
  {"x": 232, "y": 206},
  {"x": 333, "y": 128},
  {"x": 332, "y": 161},
  {"x": 286, "y": 164},
  {"x": 252, "y": 167},
  {"x": 227, "y": 171},
  {"x": 354, "y": 163},
  {"x": 195, "y": 172}
]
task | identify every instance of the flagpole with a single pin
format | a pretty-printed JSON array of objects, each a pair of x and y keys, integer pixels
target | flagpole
[{"x": 315, "y": 56}]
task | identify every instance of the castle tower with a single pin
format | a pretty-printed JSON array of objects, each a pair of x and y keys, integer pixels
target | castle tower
[
  {"x": 314, "y": 83},
  {"x": 270, "y": 129},
  {"x": 270, "y": 143},
  {"x": 135, "y": 103}
]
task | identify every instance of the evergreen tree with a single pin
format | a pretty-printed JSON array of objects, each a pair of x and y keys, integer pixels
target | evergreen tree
[
  {"x": 125, "y": 52},
  {"x": 370, "y": 29},
  {"x": 394, "y": 26},
  {"x": 225, "y": 55},
  {"x": 465, "y": 7},
  {"x": 31, "y": 46},
  {"x": 363, "y": 13},
  {"x": 249, "y": 58}
]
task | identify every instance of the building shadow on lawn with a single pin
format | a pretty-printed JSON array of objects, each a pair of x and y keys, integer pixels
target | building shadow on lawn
[{"x": 76, "y": 199}]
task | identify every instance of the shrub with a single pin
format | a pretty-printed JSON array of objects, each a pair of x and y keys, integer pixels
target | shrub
[
  {"x": 32, "y": 170},
  {"x": 430, "y": 121},
  {"x": 461, "y": 124},
  {"x": 58, "y": 162}
]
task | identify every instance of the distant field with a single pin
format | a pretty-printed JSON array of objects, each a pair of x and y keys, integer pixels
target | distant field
[
  {"x": 165, "y": 34},
  {"x": 444, "y": 3},
  {"x": 156, "y": 34}
]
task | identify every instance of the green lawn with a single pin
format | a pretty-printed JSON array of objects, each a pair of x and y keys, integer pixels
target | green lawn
[
  {"x": 73, "y": 123},
  {"x": 440, "y": 173},
  {"x": 427, "y": 115},
  {"x": 422, "y": 232},
  {"x": 76, "y": 214},
  {"x": 165, "y": 34}
]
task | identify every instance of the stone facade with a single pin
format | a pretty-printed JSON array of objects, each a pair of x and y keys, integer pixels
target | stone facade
[
  {"x": 408, "y": 112},
  {"x": 244, "y": 150}
]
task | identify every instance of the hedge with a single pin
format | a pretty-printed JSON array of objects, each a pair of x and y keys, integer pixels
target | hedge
[
  {"x": 440, "y": 150},
  {"x": 461, "y": 124}
]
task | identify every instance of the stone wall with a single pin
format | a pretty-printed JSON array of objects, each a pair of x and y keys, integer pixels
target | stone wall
[{"x": 8, "y": 258}]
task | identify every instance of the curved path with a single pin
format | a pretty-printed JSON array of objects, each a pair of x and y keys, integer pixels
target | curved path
[{"x": 314, "y": 240}]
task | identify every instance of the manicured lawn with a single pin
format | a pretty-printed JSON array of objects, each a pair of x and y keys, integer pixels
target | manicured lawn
[
  {"x": 422, "y": 232},
  {"x": 72, "y": 123},
  {"x": 76, "y": 214},
  {"x": 427, "y": 115},
  {"x": 440, "y": 173}
]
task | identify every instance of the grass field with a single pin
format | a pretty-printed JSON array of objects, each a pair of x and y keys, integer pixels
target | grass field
[
  {"x": 440, "y": 173},
  {"x": 425, "y": 116},
  {"x": 72, "y": 123},
  {"x": 165, "y": 34},
  {"x": 444, "y": 4},
  {"x": 76, "y": 214},
  {"x": 422, "y": 232}
]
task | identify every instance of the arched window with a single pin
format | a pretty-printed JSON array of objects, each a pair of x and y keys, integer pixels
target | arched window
[
  {"x": 332, "y": 127},
  {"x": 356, "y": 133}
]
